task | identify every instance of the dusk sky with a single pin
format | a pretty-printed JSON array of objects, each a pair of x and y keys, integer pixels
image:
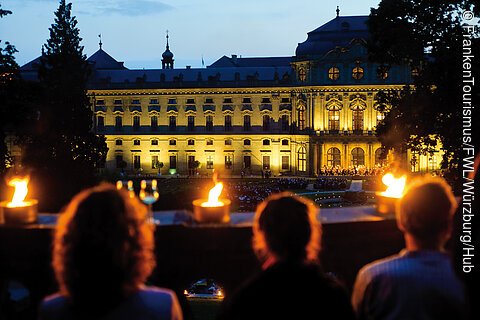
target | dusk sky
[{"x": 133, "y": 31}]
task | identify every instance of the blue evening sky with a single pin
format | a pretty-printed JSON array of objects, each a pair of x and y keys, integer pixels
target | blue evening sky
[{"x": 133, "y": 31}]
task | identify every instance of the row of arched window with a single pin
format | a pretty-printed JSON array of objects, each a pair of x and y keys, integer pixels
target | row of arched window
[
  {"x": 267, "y": 120},
  {"x": 357, "y": 157}
]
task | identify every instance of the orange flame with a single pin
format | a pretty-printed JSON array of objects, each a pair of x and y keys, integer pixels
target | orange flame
[
  {"x": 395, "y": 186},
  {"x": 213, "y": 196},
  {"x": 21, "y": 190}
]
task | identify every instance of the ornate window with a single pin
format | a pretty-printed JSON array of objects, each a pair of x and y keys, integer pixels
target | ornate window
[
  {"x": 154, "y": 162},
  {"x": 266, "y": 162},
  {"x": 333, "y": 73},
  {"x": 228, "y": 161},
  {"x": 119, "y": 161},
  {"x": 209, "y": 162},
  {"x": 266, "y": 142},
  {"x": 118, "y": 142},
  {"x": 209, "y": 123},
  {"x": 118, "y": 123},
  {"x": 380, "y": 159},
  {"x": 172, "y": 123},
  {"x": 302, "y": 159},
  {"x": 172, "y": 142},
  {"x": 333, "y": 157},
  {"x": 247, "y": 162},
  {"x": 100, "y": 123},
  {"x": 173, "y": 162},
  {"x": 284, "y": 142},
  {"x": 154, "y": 123},
  {"x": 136, "y": 162},
  {"x": 154, "y": 142},
  {"x": 246, "y": 122},
  {"x": 266, "y": 122},
  {"x": 301, "y": 117},
  {"x": 209, "y": 142},
  {"x": 247, "y": 142},
  {"x": 382, "y": 72},
  {"x": 432, "y": 162},
  {"x": 228, "y": 142},
  {"x": 136, "y": 123},
  {"x": 228, "y": 122},
  {"x": 302, "y": 74},
  {"x": 285, "y": 163},
  {"x": 285, "y": 122},
  {"x": 358, "y": 157},
  {"x": 357, "y": 73},
  {"x": 136, "y": 142},
  {"x": 190, "y": 142},
  {"x": 191, "y": 123},
  {"x": 357, "y": 120},
  {"x": 334, "y": 120}
]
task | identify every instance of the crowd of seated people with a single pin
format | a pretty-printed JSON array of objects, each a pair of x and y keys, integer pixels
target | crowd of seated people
[
  {"x": 103, "y": 254},
  {"x": 360, "y": 170}
]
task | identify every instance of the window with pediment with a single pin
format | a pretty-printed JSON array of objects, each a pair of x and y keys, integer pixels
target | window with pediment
[
  {"x": 209, "y": 123},
  {"x": 301, "y": 117},
  {"x": 302, "y": 159},
  {"x": 302, "y": 74},
  {"x": 246, "y": 122},
  {"x": 266, "y": 122},
  {"x": 172, "y": 123},
  {"x": 228, "y": 122},
  {"x": 136, "y": 123},
  {"x": 191, "y": 123}
]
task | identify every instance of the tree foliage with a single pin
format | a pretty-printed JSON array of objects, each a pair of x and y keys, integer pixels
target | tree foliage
[
  {"x": 426, "y": 35},
  {"x": 8, "y": 71},
  {"x": 61, "y": 147}
]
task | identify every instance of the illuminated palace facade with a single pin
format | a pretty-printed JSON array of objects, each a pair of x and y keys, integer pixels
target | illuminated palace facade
[{"x": 290, "y": 115}]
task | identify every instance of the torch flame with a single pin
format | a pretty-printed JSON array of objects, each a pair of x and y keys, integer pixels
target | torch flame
[
  {"x": 21, "y": 190},
  {"x": 395, "y": 186},
  {"x": 213, "y": 196}
]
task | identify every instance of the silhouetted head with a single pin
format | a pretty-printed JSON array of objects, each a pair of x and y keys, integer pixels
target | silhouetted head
[
  {"x": 103, "y": 249},
  {"x": 426, "y": 211},
  {"x": 286, "y": 228}
]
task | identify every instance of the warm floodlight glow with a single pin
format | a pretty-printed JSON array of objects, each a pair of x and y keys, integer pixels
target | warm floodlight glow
[
  {"x": 395, "y": 186},
  {"x": 213, "y": 196},
  {"x": 21, "y": 190}
]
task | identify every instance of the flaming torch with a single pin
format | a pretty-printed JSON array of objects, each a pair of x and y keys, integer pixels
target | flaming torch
[
  {"x": 387, "y": 199},
  {"x": 19, "y": 211},
  {"x": 214, "y": 210}
]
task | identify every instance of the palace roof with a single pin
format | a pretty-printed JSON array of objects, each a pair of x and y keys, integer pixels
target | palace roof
[{"x": 338, "y": 32}]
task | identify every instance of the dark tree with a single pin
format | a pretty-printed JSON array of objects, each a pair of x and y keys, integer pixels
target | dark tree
[
  {"x": 8, "y": 69},
  {"x": 61, "y": 149},
  {"x": 426, "y": 35}
]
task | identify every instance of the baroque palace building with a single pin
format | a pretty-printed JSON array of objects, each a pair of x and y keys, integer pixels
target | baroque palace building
[{"x": 290, "y": 115}]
